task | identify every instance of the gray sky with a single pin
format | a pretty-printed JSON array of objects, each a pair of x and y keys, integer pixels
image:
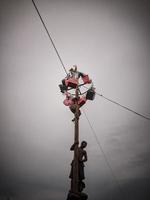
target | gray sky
[{"x": 110, "y": 41}]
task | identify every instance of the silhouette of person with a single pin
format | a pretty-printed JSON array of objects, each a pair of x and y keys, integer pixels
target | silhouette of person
[{"x": 82, "y": 157}]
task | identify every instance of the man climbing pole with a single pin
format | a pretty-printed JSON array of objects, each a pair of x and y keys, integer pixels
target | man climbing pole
[{"x": 82, "y": 158}]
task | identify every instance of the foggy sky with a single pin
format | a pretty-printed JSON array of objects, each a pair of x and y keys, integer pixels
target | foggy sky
[{"x": 107, "y": 39}]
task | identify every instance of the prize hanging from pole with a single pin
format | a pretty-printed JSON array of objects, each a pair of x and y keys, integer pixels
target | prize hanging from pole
[{"x": 77, "y": 80}]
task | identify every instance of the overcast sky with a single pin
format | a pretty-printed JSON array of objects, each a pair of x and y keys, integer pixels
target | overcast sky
[{"x": 109, "y": 40}]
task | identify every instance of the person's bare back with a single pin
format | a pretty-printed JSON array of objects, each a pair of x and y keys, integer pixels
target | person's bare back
[{"x": 82, "y": 155}]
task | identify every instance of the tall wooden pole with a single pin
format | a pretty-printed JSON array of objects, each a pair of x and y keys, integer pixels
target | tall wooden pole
[{"x": 75, "y": 186}]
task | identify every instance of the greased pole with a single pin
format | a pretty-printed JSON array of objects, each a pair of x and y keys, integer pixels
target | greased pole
[{"x": 75, "y": 186}]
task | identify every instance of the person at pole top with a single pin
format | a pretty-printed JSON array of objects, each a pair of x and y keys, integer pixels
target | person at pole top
[{"x": 74, "y": 73}]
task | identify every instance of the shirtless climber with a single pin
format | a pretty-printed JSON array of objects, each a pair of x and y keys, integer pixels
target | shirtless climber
[{"x": 82, "y": 157}]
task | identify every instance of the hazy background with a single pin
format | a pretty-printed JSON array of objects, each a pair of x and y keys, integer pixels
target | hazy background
[{"x": 109, "y": 39}]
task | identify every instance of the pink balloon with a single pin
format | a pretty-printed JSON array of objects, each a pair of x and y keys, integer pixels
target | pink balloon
[{"x": 66, "y": 102}]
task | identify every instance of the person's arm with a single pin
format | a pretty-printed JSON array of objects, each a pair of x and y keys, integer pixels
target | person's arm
[
  {"x": 85, "y": 157},
  {"x": 73, "y": 146}
]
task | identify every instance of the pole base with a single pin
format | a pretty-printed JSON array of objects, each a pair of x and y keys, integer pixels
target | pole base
[{"x": 80, "y": 196}]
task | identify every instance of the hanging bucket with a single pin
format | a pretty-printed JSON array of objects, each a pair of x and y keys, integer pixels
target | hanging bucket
[
  {"x": 63, "y": 88},
  {"x": 90, "y": 95},
  {"x": 71, "y": 82}
]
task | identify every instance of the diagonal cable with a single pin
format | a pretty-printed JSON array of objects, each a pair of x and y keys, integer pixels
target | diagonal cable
[
  {"x": 125, "y": 107},
  {"x": 118, "y": 104},
  {"x": 104, "y": 154},
  {"x": 49, "y": 36}
]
